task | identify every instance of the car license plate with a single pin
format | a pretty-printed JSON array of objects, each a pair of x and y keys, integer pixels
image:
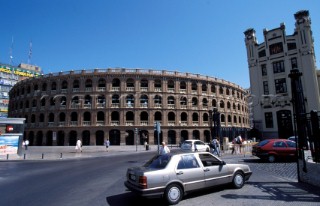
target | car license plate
[{"x": 132, "y": 177}]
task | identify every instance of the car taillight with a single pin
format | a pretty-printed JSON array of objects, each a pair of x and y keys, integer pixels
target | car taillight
[{"x": 143, "y": 182}]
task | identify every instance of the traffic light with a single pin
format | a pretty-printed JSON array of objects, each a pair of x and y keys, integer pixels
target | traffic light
[{"x": 157, "y": 127}]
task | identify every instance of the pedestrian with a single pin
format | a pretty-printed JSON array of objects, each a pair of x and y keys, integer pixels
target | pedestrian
[
  {"x": 238, "y": 144},
  {"x": 164, "y": 149},
  {"x": 79, "y": 145},
  {"x": 25, "y": 143},
  {"x": 233, "y": 145},
  {"x": 215, "y": 147},
  {"x": 107, "y": 143}
]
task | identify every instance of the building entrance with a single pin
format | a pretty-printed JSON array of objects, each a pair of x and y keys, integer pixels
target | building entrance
[{"x": 285, "y": 128}]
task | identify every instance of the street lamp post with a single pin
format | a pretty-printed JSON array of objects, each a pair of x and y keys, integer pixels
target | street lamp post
[
  {"x": 216, "y": 124},
  {"x": 210, "y": 124}
]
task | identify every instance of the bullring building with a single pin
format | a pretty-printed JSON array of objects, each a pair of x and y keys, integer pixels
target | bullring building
[{"x": 95, "y": 105}]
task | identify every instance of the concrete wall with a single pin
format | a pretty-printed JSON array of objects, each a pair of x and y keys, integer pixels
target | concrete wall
[{"x": 311, "y": 176}]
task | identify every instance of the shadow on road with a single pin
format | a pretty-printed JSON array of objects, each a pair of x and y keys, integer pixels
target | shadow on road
[
  {"x": 281, "y": 191},
  {"x": 130, "y": 198}
]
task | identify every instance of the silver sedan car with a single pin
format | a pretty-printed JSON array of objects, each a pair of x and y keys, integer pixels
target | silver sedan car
[{"x": 175, "y": 174}]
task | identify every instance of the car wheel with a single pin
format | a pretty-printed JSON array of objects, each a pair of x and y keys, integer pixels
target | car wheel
[
  {"x": 271, "y": 158},
  {"x": 173, "y": 194},
  {"x": 238, "y": 180}
]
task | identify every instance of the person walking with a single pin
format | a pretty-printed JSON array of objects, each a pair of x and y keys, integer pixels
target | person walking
[
  {"x": 234, "y": 145},
  {"x": 215, "y": 147},
  {"x": 79, "y": 145},
  {"x": 164, "y": 149},
  {"x": 107, "y": 143},
  {"x": 238, "y": 143},
  {"x": 25, "y": 143}
]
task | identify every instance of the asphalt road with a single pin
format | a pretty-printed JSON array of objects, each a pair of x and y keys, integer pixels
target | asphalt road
[{"x": 99, "y": 181}]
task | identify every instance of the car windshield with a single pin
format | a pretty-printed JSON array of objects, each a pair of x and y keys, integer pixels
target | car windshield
[
  {"x": 158, "y": 162},
  {"x": 187, "y": 142},
  {"x": 262, "y": 143}
]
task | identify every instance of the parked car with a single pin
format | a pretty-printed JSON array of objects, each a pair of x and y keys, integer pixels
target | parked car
[
  {"x": 293, "y": 138},
  {"x": 175, "y": 174},
  {"x": 274, "y": 149},
  {"x": 195, "y": 145}
]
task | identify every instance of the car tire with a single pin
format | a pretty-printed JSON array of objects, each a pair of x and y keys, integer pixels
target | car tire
[
  {"x": 271, "y": 158},
  {"x": 238, "y": 180},
  {"x": 173, "y": 194}
]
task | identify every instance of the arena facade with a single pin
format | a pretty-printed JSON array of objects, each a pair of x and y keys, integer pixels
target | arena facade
[{"x": 95, "y": 105}]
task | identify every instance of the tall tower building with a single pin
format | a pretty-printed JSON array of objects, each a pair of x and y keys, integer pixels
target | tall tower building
[{"x": 269, "y": 66}]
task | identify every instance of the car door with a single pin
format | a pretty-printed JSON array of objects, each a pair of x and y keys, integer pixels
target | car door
[
  {"x": 190, "y": 172},
  {"x": 280, "y": 148},
  {"x": 215, "y": 172},
  {"x": 200, "y": 146}
]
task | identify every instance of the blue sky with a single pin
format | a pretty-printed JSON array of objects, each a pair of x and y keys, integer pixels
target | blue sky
[{"x": 197, "y": 36}]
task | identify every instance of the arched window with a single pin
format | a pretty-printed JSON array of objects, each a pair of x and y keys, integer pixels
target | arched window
[
  {"x": 170, "y": 84},
  {"x": 194, "y": 86},
  {"x": 183, "y": 85},
  {"x": 171, "y": 100},
  {"x": 221, "y": 104}
]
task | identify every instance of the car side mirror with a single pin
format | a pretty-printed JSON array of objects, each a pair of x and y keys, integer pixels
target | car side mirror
[{"x": 222, "y": 163}]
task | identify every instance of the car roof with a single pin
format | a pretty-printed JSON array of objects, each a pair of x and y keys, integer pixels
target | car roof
[
  {"x": 273, "y": 140},
  {"x": 192, "y": 140}
]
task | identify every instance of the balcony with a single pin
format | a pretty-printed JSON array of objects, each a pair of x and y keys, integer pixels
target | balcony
[
  {"x": 171, "y": 90},
  {"x": 86, "y": 123},
  {"x": 75, "y": 106},
  {"x": 157, "y": 105},
  {"x": 101, "y": 89},
  {"x": 87, "y": 106},
  {"x": 183, "y": 123},
  {"x": 88, "y": 89},
  {"x": 115, "y": 105},
  {"x": 144, "y": 123},
  {"x": 115, "y": 123},
  {"x": 183, "y": 106},
  {"x": 73, "y": 123},
  {"x": 182, "y": 91},
  {"x": 171, "y": 123},
  {"x": 129, "y": 89},
  {"x": 170, "y": 106},
  {"x": 62, "y": 124},
  {"x": 129, "y": 123},
  {"x": 129, "y": 105},
  {"x": 75, "y": 89},
  {"x": 115, "y": 89},
  {"x": 143, "y": 89},
  {"x": 64, "y": 91},
  {"x": 100, "y": 123},
  {"x": 157, "y": 89},
  {"x": 144, "y": 105},
  {"x": 101, "y": 105},
  {"x": 195, "y": 123},
  {"x": 50, "y": 124}
]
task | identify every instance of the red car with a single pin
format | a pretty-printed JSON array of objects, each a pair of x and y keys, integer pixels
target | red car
[{"x": 275, "y": 149}]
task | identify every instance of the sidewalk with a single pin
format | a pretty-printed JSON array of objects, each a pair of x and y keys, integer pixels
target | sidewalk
[{"x": 69, "y": 152}]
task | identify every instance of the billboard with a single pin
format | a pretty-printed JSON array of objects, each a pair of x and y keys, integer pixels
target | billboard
[{"x": 9, "y": 144}]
